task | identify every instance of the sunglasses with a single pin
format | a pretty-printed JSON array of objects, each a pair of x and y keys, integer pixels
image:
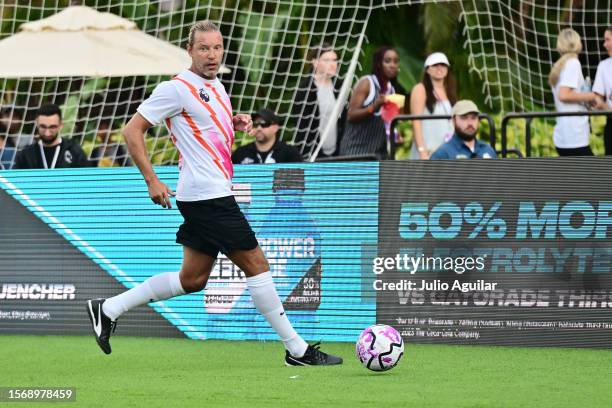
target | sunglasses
[{"x": 261, "y": 123}]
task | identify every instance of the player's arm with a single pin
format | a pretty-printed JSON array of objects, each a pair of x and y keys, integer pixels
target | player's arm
[{"x": 134, "y": 133}]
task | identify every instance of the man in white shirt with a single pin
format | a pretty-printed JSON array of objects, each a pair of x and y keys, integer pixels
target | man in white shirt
[
  {"x": 603, "y": 88},
  {"x": 198, "y": 114}
]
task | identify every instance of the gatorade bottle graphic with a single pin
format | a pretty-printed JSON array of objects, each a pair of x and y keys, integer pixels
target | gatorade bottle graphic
[{"x": 292, "y": 243}]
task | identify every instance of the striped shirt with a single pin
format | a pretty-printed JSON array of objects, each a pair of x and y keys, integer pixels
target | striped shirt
[{"x": 198, "y": 115}]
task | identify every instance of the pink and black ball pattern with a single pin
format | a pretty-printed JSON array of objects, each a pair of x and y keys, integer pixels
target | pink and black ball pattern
[{"x": 379, "y": 347}]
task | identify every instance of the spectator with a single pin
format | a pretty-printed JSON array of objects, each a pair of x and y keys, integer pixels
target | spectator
[
  {"x": 603, "y": 88},
  {"x": 10, "y": 124},
  {"x": 109, "y": 153},
  {"x": 571, "y": 133},
  {"x": 365, "y": 132},
  {"x": 434, "y": 95},
  {"x": 267, "y": 148},
  {"x": 50, "y": 151},
  {"x": 315, "y": 100},
  {"x": 7, "y": 152},
  {"x": 463, "y": 144}
]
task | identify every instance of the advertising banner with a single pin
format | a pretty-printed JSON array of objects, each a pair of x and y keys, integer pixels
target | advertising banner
[
  {"x": 45, "y": 281},
  {"x": 513, "y": 252},
  {"x": 496, "y": 252},
  {"x": 315, "y": 223}
]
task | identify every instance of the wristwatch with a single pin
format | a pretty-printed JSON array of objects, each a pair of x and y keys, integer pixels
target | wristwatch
[{"x": 421, "y": 149}]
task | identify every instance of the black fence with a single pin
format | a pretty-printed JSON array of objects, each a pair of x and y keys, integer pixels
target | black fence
[
  {"x": 529, "y": 116},
  {"x": 492, "y": 136}
]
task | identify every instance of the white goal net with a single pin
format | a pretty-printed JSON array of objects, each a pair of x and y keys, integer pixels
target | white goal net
[{"x": 511, "y": 46}]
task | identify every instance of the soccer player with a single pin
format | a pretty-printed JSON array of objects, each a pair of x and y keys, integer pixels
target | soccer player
[{"x": 198, "y": 113}]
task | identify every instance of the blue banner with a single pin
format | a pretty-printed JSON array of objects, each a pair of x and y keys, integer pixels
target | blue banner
[{"x": 316, "y": 224}]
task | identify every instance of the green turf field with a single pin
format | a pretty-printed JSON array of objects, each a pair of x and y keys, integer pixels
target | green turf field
[{"x": 151, "y": 372}]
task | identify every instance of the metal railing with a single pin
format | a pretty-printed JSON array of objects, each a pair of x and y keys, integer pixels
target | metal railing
[{"x": 529, "y": 116}]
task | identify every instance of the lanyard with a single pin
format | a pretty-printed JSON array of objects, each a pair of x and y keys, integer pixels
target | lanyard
[
  {"x": 269, "y": 159},
  {"x": 55, "y": 155}
]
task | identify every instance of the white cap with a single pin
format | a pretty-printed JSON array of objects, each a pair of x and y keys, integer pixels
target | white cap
[{"x": 436, "y": 58}]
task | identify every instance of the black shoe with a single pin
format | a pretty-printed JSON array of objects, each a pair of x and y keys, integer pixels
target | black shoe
[
  {"x": 101, "y": 324},
  {"x": 313, "y": 356}
]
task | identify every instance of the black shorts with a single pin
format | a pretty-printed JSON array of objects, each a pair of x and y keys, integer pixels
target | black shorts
[{"x": 213, "y": 226}]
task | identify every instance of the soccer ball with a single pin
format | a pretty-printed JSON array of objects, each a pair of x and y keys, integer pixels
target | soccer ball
[{"x": 379, "y": 347}]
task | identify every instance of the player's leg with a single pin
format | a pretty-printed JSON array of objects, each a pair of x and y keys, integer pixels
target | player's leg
[
  {"x": 265, "y": 298},
  {"x": 263, "y": 292},
  {"x": 193, "y": 276}
]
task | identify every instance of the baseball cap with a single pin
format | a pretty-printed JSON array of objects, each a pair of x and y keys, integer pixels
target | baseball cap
[
  {"x": 267, "y": 115},
  {"x": 436, "y": 58},
  {"x": 464, "y": 107}
]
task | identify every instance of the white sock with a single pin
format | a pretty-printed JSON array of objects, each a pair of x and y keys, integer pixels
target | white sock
[
  {"x": 156, "y": 288},
  {"x": 267, "y": 302}
]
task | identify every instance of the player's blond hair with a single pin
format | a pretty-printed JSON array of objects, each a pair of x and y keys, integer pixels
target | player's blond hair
[
  {"x": 569, "y": 46},
  {"x": 205, "y": 26}
]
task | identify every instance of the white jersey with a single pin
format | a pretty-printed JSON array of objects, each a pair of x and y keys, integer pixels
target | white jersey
[{"x": 198, "y": 115}]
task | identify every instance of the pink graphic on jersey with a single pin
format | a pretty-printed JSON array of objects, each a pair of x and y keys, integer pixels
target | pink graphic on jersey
[
  {"x": 228, "y": 122},
  {"x": 222, "y": 149},
  {"x": 198, "y": 135}
]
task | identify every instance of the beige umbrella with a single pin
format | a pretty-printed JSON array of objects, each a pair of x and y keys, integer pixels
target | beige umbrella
[{"x": 80, "y": 41}]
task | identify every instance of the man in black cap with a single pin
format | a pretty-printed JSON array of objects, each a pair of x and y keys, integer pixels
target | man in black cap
[{"x": 266, "y": 148}]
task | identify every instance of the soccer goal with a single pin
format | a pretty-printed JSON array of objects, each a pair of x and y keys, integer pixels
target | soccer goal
[{"x": 511, "y": 45}]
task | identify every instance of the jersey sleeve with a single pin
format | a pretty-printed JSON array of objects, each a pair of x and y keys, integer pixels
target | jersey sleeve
[
  {"x": 163, "y": 103},
  {"x": 571, "y": 74}
]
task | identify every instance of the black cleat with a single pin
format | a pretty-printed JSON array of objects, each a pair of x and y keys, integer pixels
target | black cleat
[
  {"x": 101, "y": 324},
  {"x": 312, "y": 357}
]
